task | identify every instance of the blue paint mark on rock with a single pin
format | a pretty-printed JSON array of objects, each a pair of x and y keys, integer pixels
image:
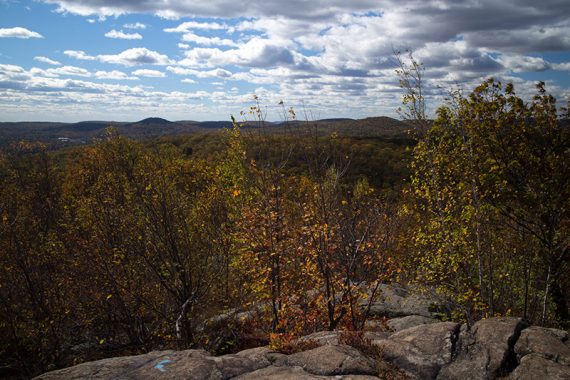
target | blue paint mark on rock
[{"x": 160, "y": 365}]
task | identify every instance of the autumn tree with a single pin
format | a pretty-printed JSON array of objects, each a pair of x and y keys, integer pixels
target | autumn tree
[
  {"x": 314, "y": 240},
  {"x": 266, "y": 229},
  {"x": 34, "y": 309},
  {"x": 527, "y": 156},
  {"x": 488, "y": 187},
  {"x": 155, "y": 223}
]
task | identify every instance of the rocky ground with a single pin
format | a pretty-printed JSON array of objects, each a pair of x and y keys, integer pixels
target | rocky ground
[{"x": 421, "y": 346}]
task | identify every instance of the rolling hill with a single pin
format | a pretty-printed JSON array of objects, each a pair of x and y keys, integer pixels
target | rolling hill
[{"x": 84, "y": 132}]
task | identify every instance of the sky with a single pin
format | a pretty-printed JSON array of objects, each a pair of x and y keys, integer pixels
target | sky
[{"x": 125, "y": 60}]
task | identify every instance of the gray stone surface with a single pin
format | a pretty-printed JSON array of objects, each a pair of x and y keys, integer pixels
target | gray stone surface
[
  {"x": 295, "y": 373},
  {"x": 543, "y": 342},
  {"x": 189, "y": 364},
  {"x": 278, "y": 373},
  {"x": 332, "y": 337},
  {"x": 403, "y": 323},
  {"x": 322, "y": 337},
  {"x": 126, "y": 367},
  {"x": 421, "y": 350},
  {"x": 485, "y": 351},
  {"x": 490, "y": 349},
  {"x": 562, "y": 335},
  {"x": 399, "y": 301},
  {"x": 329, "y": 360},
  {"x": 536, "y": 367},
  {"x": 376, "y": 324},
  {"x": 243, "y": 362},
  {"x": 257, "y": 363}
]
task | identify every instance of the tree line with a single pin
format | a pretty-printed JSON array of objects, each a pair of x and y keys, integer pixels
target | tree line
[{"x": 124, "y": 246}]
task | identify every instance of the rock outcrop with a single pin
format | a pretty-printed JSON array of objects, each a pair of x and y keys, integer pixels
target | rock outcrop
[
  {"x": 331, "y": 360},
  {"x": 400, "y": 301},
  {"x": 490, "y": 349},
  {"x": 533, "y": 367},
  {"x": 422, "y": 350},
  {"x": 403, "y": 323},
  {"x": 548, "y": 343},
  {"x": 485, "y": 351},
  {"x": 543, "y": 354},
  {"x": 259, "y": 363}
]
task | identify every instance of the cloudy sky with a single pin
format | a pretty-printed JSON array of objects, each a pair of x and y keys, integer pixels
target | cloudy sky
[{"x": 71, "y": 60}]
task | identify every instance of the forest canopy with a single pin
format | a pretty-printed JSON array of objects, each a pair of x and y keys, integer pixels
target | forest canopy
[{"x": 128, "y": 246}]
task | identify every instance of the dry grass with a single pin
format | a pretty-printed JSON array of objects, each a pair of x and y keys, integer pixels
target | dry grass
[
  {"x": 288, "y": 344},
  {"x": 358, "y": 340}
]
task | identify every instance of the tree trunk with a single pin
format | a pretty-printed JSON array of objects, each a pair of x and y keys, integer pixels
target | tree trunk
[
  {"x": 560, "y": 302},
  {"x": 545, "y": 299},
  {"x": 180, "y": 319}
]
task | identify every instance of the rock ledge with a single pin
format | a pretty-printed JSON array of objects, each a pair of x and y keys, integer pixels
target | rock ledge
[{"x": 490, "y": 349}]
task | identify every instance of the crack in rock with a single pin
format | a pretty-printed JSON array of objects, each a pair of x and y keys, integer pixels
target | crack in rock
[{"x": 492, "y": 348}]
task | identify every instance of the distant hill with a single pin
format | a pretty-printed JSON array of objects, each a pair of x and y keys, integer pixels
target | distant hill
[
  {"x": 86, "y": 131},
  {"x": 152, "y": 121},
  {"x": 84, "y": 128},
  {"x": 214, "y": 124},
  {"x": 333, "y": 120},
  {"x": 382, "y": 126},
  {"x": 155, "y": 127},
  {"x": 371, "y": 126}
]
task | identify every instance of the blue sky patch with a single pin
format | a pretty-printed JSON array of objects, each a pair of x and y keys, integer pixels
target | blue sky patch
[{"x": 72, "y": 60}]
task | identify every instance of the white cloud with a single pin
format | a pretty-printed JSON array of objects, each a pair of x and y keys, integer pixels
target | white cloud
[
  {"x": 12, "y": 69},
  {"x": 188, "y": 81},
  {"x": 149, "y": 73},
  {"x": 185, "y": 27},
  {"x": 564, "y": 66},
  {"x": 287, "y": 28},
  {"x": 47, "y": 60},
  {"x": 33, "y": 93},
  {"x": 181, "y": 70},
  {"x": 79, "y": 54},
  {"x": 338, "y": 54},
  {"x": 257, "y": 52},
  {"x": 208, "y": 41},
  {"x": 521, "y": 26},
  {"x": 62, "y": 71},
  {"x": 119, "y": 34},
  {"x": 215, "y": 73},
  {"x": 206, "y": 57},
  {"x": 216, "y": 8},
  {"x": 71, "y": 71},
  {"x": 129, "y": 57},
  {"x": 136, "y": 25},
  {"x": 26, "y": 93},
  {"x": 114, "y": 74},
  {"x": 518, "y": 63},
  {"x": 18, "y": 32},
  {"x": 136, "y": 56}
]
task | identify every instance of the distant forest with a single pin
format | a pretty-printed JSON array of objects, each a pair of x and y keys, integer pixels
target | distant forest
[{"x": 135, "y": 237}]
